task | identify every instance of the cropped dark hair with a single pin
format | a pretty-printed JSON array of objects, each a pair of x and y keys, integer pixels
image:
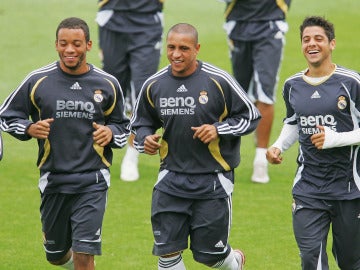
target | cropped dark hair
[
  {"x": 185, "y": 28},
  {"x": 74, "y": 23},
  {"x": 321, "y": 22}
]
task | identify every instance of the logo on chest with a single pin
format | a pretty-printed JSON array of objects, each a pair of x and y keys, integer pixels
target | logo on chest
[
  {"x": 342, "y": 103},
  {"x": 315, "y": 95},
  {"x": 98, "y": 97},
  {"x": 203, "y": 99}
]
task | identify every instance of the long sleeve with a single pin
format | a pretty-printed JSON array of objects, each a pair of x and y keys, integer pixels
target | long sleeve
[
  {"x": 243, "y": 116},
  {"x": 16, "y": 110}
]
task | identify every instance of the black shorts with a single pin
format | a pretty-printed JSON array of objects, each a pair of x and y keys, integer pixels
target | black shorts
[
  {"x": 206, "y": 222},
  {"x": 72, "y": 221},
  {"x": 131, "y": 57},
  {"x": 256, "y": 51},
  {"x": 311, "y": 221}
]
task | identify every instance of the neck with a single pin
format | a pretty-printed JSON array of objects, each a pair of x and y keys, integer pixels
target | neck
[
  {"x": 75, "y": 71},
  {"x": 320, "y": 71}
]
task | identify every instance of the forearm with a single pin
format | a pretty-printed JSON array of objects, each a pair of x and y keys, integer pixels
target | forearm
[
  {"x": 288, "y": 136},
  {"x": 339, "y": 139},
  {"x": 17, "y": 129},
  {"x": 140, "y": 135}
]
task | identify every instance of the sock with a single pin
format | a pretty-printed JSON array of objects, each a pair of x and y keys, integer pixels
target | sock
[
  {"x": 229, "y": 263},
  {"x": 171, "y": 263},
  {"x": 260, "y": 154},
  {"x": 69, "y": 264},
  {"x": 132, "y": 152}
]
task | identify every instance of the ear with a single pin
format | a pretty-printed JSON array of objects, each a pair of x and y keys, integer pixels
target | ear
[
  {"x": 197, "y": 48},
  {"x": 56, "y": 45},
  {"x": 332, "y": 44},
  {"x": 89, "y": 45}
]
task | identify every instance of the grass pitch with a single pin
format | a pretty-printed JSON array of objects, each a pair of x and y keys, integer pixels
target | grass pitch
[{"x": 262, "y": 213}]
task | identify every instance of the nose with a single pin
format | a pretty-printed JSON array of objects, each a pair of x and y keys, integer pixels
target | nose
[
  {"x": 176, "y": 53},
  {"x": 311, "y": 42},
  {"x": 69, "y": 48}
]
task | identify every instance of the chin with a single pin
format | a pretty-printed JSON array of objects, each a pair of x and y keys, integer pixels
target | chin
[{"x": 72, "y": 67}]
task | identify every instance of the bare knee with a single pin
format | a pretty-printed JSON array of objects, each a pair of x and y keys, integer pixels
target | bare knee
[
  {"x": 171, "y": 255},
  {"x": 83, "y": 261}
]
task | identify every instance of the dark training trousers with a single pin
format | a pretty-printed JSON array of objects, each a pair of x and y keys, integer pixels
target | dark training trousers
[{"x": 311, "y": 223}]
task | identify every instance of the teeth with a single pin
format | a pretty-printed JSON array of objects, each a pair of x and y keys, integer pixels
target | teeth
[{"x": 313, "y": 51}]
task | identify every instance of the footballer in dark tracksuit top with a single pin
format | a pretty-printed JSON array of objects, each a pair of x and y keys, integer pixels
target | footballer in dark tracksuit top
[
  {"x": 190, "y": 169},
  {"x": 74, "y": 170},
  {"x": 68, "y": 160},
  {"x": 326, "y": 188},
  {"x": 209, "y": 96},
  {"x": 76, "y": 113}
]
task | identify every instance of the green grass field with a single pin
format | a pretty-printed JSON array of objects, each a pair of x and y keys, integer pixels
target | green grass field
[{"x": 262, "y": 213}]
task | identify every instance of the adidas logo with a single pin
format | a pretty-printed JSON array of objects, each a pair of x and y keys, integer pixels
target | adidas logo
[
  {"x": 76, "y": 86},
  {"x": 219, "y": 244},
  {"x": 182, "y": 88},
  {"x": 316, "y": 95},
  {"x": 98, "y": 232}
]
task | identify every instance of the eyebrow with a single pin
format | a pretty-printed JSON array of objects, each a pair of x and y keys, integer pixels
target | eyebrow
[{"x": 316, "y": 35}]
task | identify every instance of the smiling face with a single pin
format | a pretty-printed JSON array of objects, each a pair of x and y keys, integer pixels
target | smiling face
[
  {"x": 72, "y": 46},
  {"x": 316, "y": 46},
  {"x": 182, "y": 50}
]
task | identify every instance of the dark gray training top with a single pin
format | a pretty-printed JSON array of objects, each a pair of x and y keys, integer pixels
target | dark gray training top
[
  {"x": 332, "y": 173},
  {"x": 68, "y": 159}
]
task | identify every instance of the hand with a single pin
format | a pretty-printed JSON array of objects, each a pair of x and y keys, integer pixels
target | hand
[
  {"x": 151, "y": 145},
  {"x": 273, "y": 155},
  {"x": 102, "y": 134},
  {"x": 40, "y": 129},
  {"x": 318, "y": 139},
  {"x": 205, "y": 133}
]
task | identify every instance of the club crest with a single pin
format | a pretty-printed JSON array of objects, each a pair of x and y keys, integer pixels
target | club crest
[
  {"x": 203, "y": 98},
  {"x": 342, "y": 103},
  {"x": 98, "y": 97}
]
